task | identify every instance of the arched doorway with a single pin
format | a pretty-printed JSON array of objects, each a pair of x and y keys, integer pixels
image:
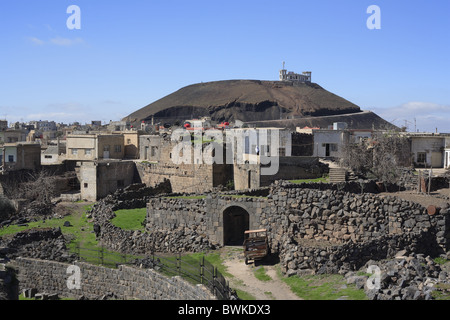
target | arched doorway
[{"x": 235, "y": 223}]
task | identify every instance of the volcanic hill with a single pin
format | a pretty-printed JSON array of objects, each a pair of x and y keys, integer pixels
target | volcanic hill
[{"x": 263, "y": 103}]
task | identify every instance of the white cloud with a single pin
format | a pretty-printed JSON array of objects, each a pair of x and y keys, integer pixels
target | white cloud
[
  {"x": 36, "y": 41},
  {"x": 422, "y": 116},
  {"x": 66, "y": 42},
  {"x": 57, "y": 41}
]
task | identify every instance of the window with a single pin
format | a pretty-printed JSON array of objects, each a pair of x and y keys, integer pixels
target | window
[
  {"x": 334, "y": 147},
  {"x": 128, "y": 141},
  {"x": 74, "y": 152},
  {"x": 88, "y": 152},
  {"x": 421, "y": 157},
  {"x": 106, "y": 148},
  {"x": 48, "y": 157},
  {"x": 10, "y": 158},
  {"x": 118, "y": 148},
  {"x": 153, "y": 151},
  {"x": 86, "y": 185}
]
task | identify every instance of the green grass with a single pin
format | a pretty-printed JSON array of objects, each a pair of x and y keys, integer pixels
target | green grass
[
  {"x": 131, "y": 219},
  {"x": 22, "y": 298},
  {"x": 260, "y": 274},
  {"x": 243, "y": 295},
  {"x": 322, "y": 179},
  {"x": 440, "y": 260},
  {"x": 243, "y": 196},
  {"x": 79, "y": 225},
  {"x": 442, "y": 291},
  {"x": 323, "y": 287},
  {"x": 80, "y": 236},
  {"x": 187, "y": 197},
  {"x": 190, "y": 265}
]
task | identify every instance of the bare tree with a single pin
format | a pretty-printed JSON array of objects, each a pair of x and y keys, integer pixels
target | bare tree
[
  {"x": 383, "y": 156},
  {"x": 35, "y": 186}
]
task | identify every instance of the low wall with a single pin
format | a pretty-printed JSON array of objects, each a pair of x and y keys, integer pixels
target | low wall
[
  {"x": 348, "y": 228},
  {"x": 126, "y": 283}
]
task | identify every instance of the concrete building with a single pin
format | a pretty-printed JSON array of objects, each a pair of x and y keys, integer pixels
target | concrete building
[
  {"x": 296, "y": 77},
  {"x": 3, "y": 125},
  {"x": 329, "y": 142},
  {"x": 198, "y": 124},
  {"x": 118, "y": 126},
  {"x": 54, "y": 154},
  {"x": 131, "y": 144},
  {"x": 259, "y": 141},
  {"x": 430, "y": 149},
  {"x": 12, "y": 135},
  {"x": 86, "y": 147},
  {"x": 149, "y": 147},
  {"x": 20, "y": 156},
  {"x": 268, "y": 155},
  {"x": 43, "y": 125}
]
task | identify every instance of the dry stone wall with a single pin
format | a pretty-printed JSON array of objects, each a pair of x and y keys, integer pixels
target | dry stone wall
[
  {"x": 124, "y": 283},
  {"x": 315, "y": 228},
  {"x": 172, "y": 240},
  {"x": 332, "y": 230}
]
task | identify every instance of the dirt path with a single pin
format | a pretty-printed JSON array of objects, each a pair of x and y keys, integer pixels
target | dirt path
[{"x": 245, "y": 280}]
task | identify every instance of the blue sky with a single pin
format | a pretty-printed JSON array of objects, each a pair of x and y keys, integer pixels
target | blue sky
[{"x": 128, "y": 54}]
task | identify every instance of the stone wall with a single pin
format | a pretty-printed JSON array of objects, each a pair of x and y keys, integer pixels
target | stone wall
[
  {"x": 9, "y": 287},
  {"x": 312, "y": 227},
  {"x": 174, "y": 240},
  {"x": 250, "y": 175},
  {"x": 323, "y": 229},
  {"x": 98, "y": 179},
  {"x": 126, "y": 283},
  {"x": 185, "y": 177}
]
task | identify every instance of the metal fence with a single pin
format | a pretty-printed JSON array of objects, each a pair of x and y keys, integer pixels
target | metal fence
[{"x": 195, "y": 271}]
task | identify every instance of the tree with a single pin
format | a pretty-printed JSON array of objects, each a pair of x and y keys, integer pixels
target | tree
[
  {"x": 37, "y": 187},
  {"x": 383, "y": 156}
]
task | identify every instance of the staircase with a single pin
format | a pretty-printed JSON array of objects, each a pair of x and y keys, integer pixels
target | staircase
[{"x": 337, "y": 175}]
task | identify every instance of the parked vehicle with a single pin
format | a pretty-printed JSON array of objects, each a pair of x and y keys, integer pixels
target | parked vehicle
[{"x": 256, "y": 245}]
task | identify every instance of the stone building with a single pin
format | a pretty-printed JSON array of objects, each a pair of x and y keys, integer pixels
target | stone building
[
  {"x": 252, "y": 176},
  {"x": 163, "y": 159},
  {"x": 100, "y": 178},
  {"x": 131, "y": 144},
  {"x": 20, "y": 156}
]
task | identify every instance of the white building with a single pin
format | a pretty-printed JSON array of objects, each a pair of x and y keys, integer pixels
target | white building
[
  {"x": 43, "y": 125},
  {"x": 329, "y": 142},
  {"x": 430, "y": 150},
  {"x": 292, "y": 76}
]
